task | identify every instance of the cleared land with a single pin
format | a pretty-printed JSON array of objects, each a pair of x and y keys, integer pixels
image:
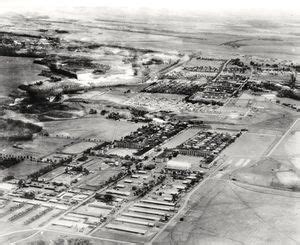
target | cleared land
[
  {"x": 78, "y": 147},
  {"x": 23, "y": 169},
  {"x": 281, "y": 168},
  {"x": 289, "y": 145},
  {"x": 224, "y": 213},
  {"x": 38, "y": 147},
  {"x": 180, "y": 138},
  {"x": 92, "y": 127},
  {"x": 99, "y": 180},
  {"x": 251, "y": 145}
]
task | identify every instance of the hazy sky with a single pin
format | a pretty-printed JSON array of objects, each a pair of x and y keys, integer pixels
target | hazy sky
[{"x": 253, "y": 7}]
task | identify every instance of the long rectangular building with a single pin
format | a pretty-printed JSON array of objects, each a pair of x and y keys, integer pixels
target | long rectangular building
[
  {"x": 121, "y": 193},
  {"x": 126, "y": 228},
  {"x": 159, "y": 202},
  {"x": 147, "y": 211},
  {"x": 159, "y": 207},
  {"x": 141, "y": 216},
  {"x": 134, "y": 221}
]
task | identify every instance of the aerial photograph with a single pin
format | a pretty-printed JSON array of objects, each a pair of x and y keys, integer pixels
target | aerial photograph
[{"x": 149, "y": 122}]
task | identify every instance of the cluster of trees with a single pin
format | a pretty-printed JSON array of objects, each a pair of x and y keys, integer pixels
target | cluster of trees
[
  {"x": 288, "y": 93},
  {"x": 16, "y": 207},
  {"x": 101, "y": 146},
  {"x": 147, "y": 187},
  {"x": 182, "y": 174},
  {"x": 154, "y": 61},
  {"x": 202, "y": 69},
  {"x": 80, "y": 169},
  {"x": 237, "y": 62},
  {"x": 9, "y": 177},
  {"x": 23, "y": 213},
  {"x": 103, "y": 112},
  {"x": 116, "y": 177},
  {"x": 47, "y": 169},
  {"x": 205, "y": 101},
  {"x": 107, "y": 198},
  {"x": 138, "y": 113},
  {"x": 151, "y": 135},
  {"x": 37, "y": 216},
  {"x": 29, "y": 194},
  {"x": 70, "y": 241},
  {"x": 8, "y": 162},
  {"x": 18, "y": 130},
  {"x": 83, "y": 158},
  {"x": 149, "y": 166},
  {"x": 101, "y": 69},
  {"x": 92, "y": 111},
  {"x": 115, "y": 116},
  {"x": 174, "y": 87}
]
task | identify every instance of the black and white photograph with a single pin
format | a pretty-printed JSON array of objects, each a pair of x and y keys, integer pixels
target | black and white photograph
[{"x": 153, "y": 122}]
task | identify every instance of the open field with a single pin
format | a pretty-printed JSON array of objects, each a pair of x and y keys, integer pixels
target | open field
[
  {"x": 213, "y": 35},
  {"x": 58, "y": 237},
  {"x": 96, "y": 182},
  {"x": 117, "y": 95},
  {"x": 56, "y": 172},
  {"x": 269, "y": 172},
  {"x": 225, "y": 213},
  {"x": 180, "y": 138},
  {"x": 251, "y": 145},
  {"x": 92, "y": 127},
  {"x": 95, "y": 164},
  {"x": 78, "y": 147},
  {"x": 270, "y": 116},
  {"x": 24, "y": 71},
  {"x": 289, "y": 146},
  {"x": 38, "y": 147},
  {"x": 281, "y": 168},
  {"x": 22, "y": 169},
  {"x": 12, "y": 237}
]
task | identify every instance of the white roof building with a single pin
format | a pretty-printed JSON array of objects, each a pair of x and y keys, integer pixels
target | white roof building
[{"x": 178, "y": 165}]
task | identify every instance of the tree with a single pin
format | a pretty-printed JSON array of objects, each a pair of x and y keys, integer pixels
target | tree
[
  {"x": 103, "y": 112},
  {"x": 21, "y": 183},
  {"x": 107, "y": 198},
  {"x": 174, "y": 197},
  {"x": 9, "y": 177},
  {"x": 29, "y": 195},
  {"x": 86, "y": 171}
]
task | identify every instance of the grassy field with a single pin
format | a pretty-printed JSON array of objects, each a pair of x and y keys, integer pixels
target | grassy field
[
  {"x": 38, "y": 147},
  {"x": 280, "y": 169},
  {"x": 56, "y": 237},
  {"x": 289, "y": 146},
  {"x": 99, "y": 179},
  {"x": 251, "y": 145},
  {"x": 180, "y": 138},
  {"x": 22, "y": 169},
  {"x": 92, "y": 127},
  {"x": 78, "y": 147},
  {"x": 53, "y": 173}
]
